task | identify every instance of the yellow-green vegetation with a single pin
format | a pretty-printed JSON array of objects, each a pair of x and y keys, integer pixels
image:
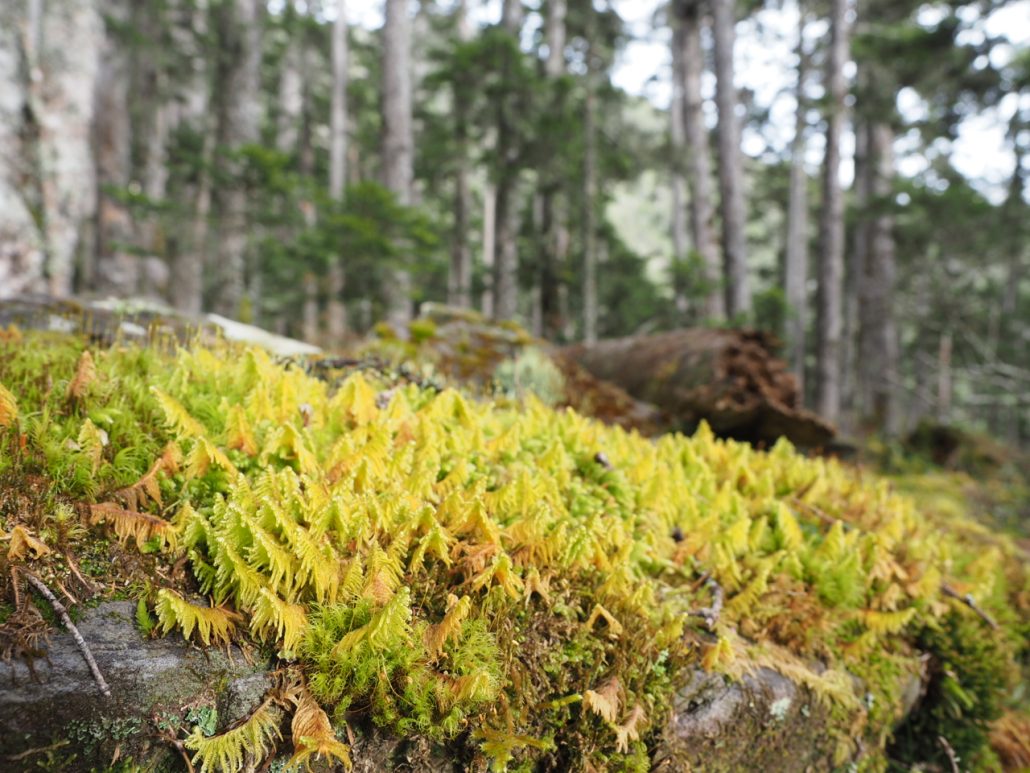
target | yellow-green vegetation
[{"x": 505, "y": 573}]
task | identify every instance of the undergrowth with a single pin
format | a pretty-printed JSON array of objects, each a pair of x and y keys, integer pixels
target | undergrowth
[{"x": 503, "y": 573}]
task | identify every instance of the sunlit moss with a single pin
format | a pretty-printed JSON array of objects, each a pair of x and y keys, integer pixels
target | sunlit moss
[{"x": 443, "y": 564}]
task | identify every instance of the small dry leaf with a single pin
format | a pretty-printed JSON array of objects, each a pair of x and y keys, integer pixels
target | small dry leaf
[
  {"x": 85, "y": 375},
  {"x": 23, "y": 543},
  {"x": 604, "y": 701},
  {"x": 630, "y": 729}
]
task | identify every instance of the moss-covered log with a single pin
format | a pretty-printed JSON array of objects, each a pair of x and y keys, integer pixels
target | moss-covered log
[{"x": 729, "y": 378}]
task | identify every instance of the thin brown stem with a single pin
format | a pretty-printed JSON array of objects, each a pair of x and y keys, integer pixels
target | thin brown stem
[{"x": 39, "y": 585}]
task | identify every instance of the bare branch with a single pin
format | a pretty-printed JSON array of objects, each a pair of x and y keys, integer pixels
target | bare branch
[{"x": 83, "y": 647}]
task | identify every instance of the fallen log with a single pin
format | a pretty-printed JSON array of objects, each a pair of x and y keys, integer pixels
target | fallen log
[{"x": 729, "y": 378}]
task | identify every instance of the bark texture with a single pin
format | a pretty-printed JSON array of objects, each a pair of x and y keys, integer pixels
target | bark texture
[
  {"x": 398, "y": 138},
  {"x": 731, "y": 169},
  {"x": 336, "y": 312},
  {"x": 728, "y": 378},
  {"x": 49, "y": 62},
  {"x": 698, "y": 160},
  {"x": 829, "y": 320},
  {"x": 507, "y": 214},
  {"x": 240, "y": 33},
  {"x": 795, "y": 273}
]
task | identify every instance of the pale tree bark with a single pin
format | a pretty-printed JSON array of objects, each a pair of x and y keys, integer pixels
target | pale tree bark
[
  {"x": 486, "y": 301},
  {"x": 291, "y": 96},
  {"x": 878, "y": 336},
  {"x": 795, "y": 273},
  {"x": 829, "y": 310},
  {"x": 116, "y": 268},
  {"x": 187, "y": 269},
  {"x": 678, "y": 142},
  {"x": 336, "y": 312},
  {"x": 240, "y": 33},
  {"x": 506, "y": 258},
  {"x": 398, "y": 140},
  {"x": 22, "y": 249},
  {"x": 590, "y": 310},
  {"x": 459, "y": 280},
  {"x": 698, "y": 161},
  {"x": 555, "y": 205},
  {"x": 57, "y": 46},
  {"x": 731, "y": 170}
]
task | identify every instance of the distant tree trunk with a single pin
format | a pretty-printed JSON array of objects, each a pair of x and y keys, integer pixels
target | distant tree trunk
[
  {"x": 309, "y": 329},
  {"x": 678, "y": 142},
  {"x": 555, "y": 207},
  {"x": 240, "y": 33},
  {"x": 731, "y": 171},
  {"x": 459, "y": 280},
  {"x": 878, "y": 336},
  {"x": 486, "y": 301},
  {"x": 699, "y": 173},
  {"x": 944, "y": 384},
  {"x": 187, "y": 286},
  {"x": 506, "y": 260},
  {"x": 291, "y": 96},
  {"x": 336, "y": 312},
  {"x": 854, "y": 268},
  {"x": 117, "y": 269},
  {"x": 831, "y": 227},
  {"x": 398, "y": 139},
  {"x": 795, "y": 274},
  {"x": 590, "y": 310}
]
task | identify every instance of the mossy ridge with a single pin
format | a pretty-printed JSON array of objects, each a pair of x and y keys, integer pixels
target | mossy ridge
[{"x": 361, "y": 517}]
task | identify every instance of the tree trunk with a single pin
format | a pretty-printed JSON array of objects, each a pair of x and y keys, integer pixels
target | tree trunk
[
  {"x": 590, "y": 310},
  {"x": 678, "y": 142},
  {"x": 60, "y": 50},
  {"x": 22, "y": 246},
  {"x": 398, "y": 139},
  {"x": 506, "y": 260},
  {"x": 795, "y": 274},
  {"x": 240, "y": 34},
  {"x": 486, "y": 301},
  {"x": 459, "y": 280},
  {"x": 555, "y": 205},
  {"x": 698, "y": 163},
  {"x": 291, "y": 96},
  {"x": 831, "y": 227},
  {"x": 728, "y": 378},
  {"x": 731, "y": 171},
  {"x": 187, "y": 269},
  {"x": 117, "y": 269},
  {"x": 878, "y": 338},
  {"x": 336, "y": 312}
]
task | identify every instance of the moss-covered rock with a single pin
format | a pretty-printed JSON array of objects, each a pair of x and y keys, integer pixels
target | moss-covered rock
[{"x": 526, "y": 586}]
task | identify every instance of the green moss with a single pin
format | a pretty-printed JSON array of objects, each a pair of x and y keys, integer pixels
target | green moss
[{"x": 442, "y": 565}]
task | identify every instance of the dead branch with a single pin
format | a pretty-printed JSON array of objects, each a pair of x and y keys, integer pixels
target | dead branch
[
  {"x": 952, "y": 757},
  {"x": 970, "y": 602},
  {"x": 39, "y": 585}
]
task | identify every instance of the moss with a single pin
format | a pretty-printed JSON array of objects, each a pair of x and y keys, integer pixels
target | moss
[{"x": 440, "y": 564}]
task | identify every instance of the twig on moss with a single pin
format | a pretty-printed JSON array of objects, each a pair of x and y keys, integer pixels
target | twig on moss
[
  {"x": 710, "y": 614},
  {"x": 39, "y": 585},
  {"x": 970, "y": 602},
  {"x": 952, "y": 757}
]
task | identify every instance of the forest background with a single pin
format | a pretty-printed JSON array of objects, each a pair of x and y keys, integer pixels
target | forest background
[{"x": 849, "y": 174}]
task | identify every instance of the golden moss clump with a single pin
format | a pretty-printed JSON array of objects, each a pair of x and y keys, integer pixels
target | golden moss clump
[{"x": 444, "y": 565}]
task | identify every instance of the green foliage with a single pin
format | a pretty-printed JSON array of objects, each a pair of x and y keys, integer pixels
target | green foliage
[{"x": 441, "y": 564}]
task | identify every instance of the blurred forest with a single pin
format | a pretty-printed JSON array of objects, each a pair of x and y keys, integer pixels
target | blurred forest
[{"x": 273, "y": 163}]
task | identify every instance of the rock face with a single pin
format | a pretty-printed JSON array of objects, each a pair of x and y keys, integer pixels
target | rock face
[
  {"x": 147, "y": 677},
  {"x": 766, "y": 722}
]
